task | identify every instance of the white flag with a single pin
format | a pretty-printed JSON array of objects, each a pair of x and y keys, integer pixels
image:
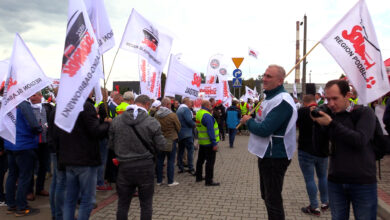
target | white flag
[
  {"x": 101, "y": 25},
  {"x": 3, "y": 72},
  {"x": 24, "y": 78},
  {"x": 353, "y": 44},
  {"x": 321, "y": 91},
  {"x": 209, "y": 90},
  {"x": 150, "y": 79},
  {"x": 253, "y": 53},
  {"x": 181, "y": 79},
  {"x": 80, "y": 66},
  {"x": 224, "y": 91},
  {"x": 143, "y": 38},
  {"x": 213, "y": 67},
  {"x": 249, "y": 93}
]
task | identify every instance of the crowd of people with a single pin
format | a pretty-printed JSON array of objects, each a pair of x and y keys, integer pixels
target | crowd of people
[{"x": 125, "y": 140}]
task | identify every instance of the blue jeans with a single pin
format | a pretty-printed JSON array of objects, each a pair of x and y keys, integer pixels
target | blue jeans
[
  {"x": 57, "y": 190},
  {"x": 170, "y": 165},
  {"x": 232, "y": 136},
  {"x": 308, "y": 164},
  {"x": 80, "y": 183},
  {"x": 20, "y": 168},
  {"x": 187, "y": 143},
  {"x": 363, "y": 197},
  {"x": 103, "y": 155}
]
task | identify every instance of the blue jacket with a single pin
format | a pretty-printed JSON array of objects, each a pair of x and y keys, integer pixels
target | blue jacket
[
  {"x": 275, "y": 123},
  {"x": 208, "y": 121},
  {"x": 233, "y": 116},
  {"x": 187, "y": 124},
  {"x": 27, "y": 129}
]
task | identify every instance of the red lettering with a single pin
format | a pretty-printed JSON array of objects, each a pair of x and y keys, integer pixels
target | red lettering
[
  {"x": 11, "y": 83},
  {"x": 153, "y": 81},
  {"x": 143, "y": 70},
  {"x": 197, "y": 80},
  {"x": 79, "y": 56},
  {"x": 150, "y": 44},
  {"x": 357, "y": 40}
]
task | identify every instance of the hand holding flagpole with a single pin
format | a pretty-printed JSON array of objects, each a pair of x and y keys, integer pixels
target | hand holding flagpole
[{"x": 253, "y": 110}]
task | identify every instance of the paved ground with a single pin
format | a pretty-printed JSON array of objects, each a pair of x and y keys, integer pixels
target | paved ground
[{"x": 238, "y": 197}]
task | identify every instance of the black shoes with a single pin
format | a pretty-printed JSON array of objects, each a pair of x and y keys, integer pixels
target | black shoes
[
  {"x": 309, "y": 210},
  {"x": 212, "y": 184},
  {"x": 199, "y": 180},
  {"x": 181, "y": 171},
  {"x": 192, "y": 172}
]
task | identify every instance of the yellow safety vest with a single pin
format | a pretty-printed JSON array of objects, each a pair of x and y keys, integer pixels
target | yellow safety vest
[
  {"x": 244, "y": 109},
  {"x": 203, "y": 137},
  {"x": 121, "y": 107}
]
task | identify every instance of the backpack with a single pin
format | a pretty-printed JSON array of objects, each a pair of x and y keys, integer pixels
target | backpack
[{"x": 379, "y": 142}]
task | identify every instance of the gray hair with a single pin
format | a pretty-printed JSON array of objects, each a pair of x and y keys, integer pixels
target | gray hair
[
  {"x": 185, "y": 100},
  {"x": 143, "y": 99},
  {"x": 280, "y": 69},
  {"x": 127, "y": 96},
  {"x": 165, "y": 101}
]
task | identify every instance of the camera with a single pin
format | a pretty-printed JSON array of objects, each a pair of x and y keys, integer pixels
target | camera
[{"x": 315, "y": 113}]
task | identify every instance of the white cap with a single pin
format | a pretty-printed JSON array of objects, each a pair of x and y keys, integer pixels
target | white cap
[
  {"x": 241, "y": 100},
  {"x": 156, "y": 104}
]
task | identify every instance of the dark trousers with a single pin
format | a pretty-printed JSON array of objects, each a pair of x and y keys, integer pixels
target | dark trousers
[
  {"x": 43, "y": 157},
  {"x": 130, "y": 177},
  {"x": 272, "y": 171},
  {"x": 205, "y": 154},
  {"x": 20, "y": 169},
  {"x": 221, "y": 127},
  {"x": 3, "y": 170}
]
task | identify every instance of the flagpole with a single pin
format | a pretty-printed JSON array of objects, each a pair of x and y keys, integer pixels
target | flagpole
[
  {"x": 239, "y": 125},
  {"x": 112, "y": 66},
  {"x": 300, "y": 61},
  {"x": 105, "y": 97}
]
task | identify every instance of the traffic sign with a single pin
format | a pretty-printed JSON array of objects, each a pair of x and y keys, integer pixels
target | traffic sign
[
  {"x": 237, "y": 82},
  {"x": 237, "y": 73},
  {"x": 237, "y": 61}
]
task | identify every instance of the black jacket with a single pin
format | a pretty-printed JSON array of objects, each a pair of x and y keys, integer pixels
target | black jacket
[
  {"x": 81, "y": 146},
  {"x": 352, "y": 158},
  {"x": 310, "y": 140}
]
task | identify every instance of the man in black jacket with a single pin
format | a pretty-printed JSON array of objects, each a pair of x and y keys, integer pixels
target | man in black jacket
[
  {"x": 311, "y": 158},
  {"x": 219, "y": 113},
  {"x": 79, "y": 153},
  {"x": 352, "y": 170}
]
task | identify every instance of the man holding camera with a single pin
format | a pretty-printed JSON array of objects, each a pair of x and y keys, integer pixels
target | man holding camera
[
  {"x": 352, "y": 170},
  {"x": 273, "y": 139}
]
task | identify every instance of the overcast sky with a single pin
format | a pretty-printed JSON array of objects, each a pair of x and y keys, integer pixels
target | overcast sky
[{"x": 200, "y": 29}]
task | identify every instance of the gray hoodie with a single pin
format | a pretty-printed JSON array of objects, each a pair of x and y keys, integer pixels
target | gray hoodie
[{"x": 124, "y": 141}]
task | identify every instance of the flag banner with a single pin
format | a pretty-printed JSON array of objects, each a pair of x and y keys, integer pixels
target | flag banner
[
  {"x": 24, "y": 78},
  {"x": 101, "y": 25},
  {"x": 181, "y": 79},
  {"x": 295, "y": 93},
  {"x": 209, "y": 90},
  {"x": 150, "y": 79},
  {"x": 3, "y": 72},
  {"x": 98, "y": 92},
  {"x": 256, "y": 93},
  {"x": 144, "y": 39},
  {"x": 213, "y": 68},
  {"x": 387, "y": 64},
  {"x": 249, "y": 93},
  {"x": 81, "y": 66},
  {"x": 253, "y": 53},
  {"x": 321, "y": 91},
  {"x": 224, "y": 91},
  {"x": 353, "y": 44}
]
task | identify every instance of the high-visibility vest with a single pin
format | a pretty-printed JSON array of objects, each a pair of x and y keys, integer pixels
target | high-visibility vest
[
  {"x": 121, "y": 107},
  {"x": 257, "y": 108},
  {"x": 244, "y": 109},
  {"x": 354, "y": 100},
  {"x": 203, "y": 137}
]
